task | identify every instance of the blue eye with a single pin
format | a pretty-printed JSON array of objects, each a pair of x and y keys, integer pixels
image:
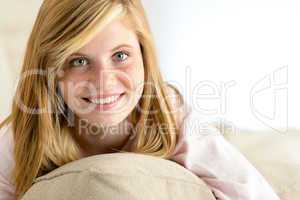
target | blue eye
[
  {"x": 121, "y": 56},
  {"x": 77, "y": 62}
]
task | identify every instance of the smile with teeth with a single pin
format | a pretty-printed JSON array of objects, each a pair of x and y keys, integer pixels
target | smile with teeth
[{"x": 103, "y": 101}]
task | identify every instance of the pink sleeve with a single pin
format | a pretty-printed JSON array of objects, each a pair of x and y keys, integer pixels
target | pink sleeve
[
  {"x": 7, "y": 189},
  {"x": 204, "y": 151}
]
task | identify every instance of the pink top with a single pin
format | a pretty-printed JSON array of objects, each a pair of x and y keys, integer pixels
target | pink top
[
  {"x": 201, "y": 149},
  {"x": 205, "y": 152},
  {"x": 6, "y": 163}
]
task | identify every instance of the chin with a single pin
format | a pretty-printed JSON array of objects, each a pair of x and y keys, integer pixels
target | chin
[{"x": 104, "y": 120}]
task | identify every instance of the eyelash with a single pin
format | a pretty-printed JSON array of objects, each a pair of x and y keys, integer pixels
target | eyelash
[
  {"x": 87, "y": 62},
  {"x": 76, "y": 59},
  {"x": 122, "y": 52}
]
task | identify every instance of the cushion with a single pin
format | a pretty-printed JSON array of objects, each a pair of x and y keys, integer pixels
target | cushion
[{"x": 125, "y": 176}]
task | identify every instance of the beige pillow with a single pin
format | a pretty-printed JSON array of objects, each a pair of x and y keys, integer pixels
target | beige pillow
[{"x": 124, "y": 176}]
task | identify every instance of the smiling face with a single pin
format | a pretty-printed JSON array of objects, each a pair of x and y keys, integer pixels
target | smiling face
[{"x": 103, "y": 81}]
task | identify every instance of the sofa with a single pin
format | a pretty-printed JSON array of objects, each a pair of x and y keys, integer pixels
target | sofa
[{"x": 139, "y": 177}]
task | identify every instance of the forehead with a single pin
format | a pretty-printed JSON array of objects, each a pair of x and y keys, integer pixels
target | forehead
[{"x": 115, "y": 33}]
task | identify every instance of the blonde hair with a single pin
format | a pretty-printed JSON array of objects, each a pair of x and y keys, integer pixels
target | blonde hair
[{"x": 42, "y": 137}]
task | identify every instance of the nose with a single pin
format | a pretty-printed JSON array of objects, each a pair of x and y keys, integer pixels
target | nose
[{"x": 105, "y": 79}]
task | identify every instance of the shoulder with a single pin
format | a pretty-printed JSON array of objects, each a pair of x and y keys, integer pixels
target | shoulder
[
  {"x": 195, "y": 131},
  {"x": 187, "y": 118},
  {"x": 178, "y": 106},
  {"x": 6, "y": 151},
  {"x": 6, "y": 140}
]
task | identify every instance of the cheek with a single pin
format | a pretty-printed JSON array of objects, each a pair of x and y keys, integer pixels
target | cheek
[
  {"x": 75, "y": 75},
  {"x": 72, "y": 83},
  {"x": 72, "y": 89},
  {"x": 72, "y": 94},
  {"x": 135, "y": 76},
  {"x": 66, "y": 91}
]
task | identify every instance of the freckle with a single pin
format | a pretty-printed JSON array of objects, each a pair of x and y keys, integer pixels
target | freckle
[{"x": 60, "y": 73}]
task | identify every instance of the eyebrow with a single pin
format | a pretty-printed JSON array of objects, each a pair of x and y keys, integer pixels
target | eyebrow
[
  {"x": 112, "y": 50},
  {"x": 120, "y": 46}
]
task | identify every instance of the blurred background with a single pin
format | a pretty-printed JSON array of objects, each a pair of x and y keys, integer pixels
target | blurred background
[{"x": 236, "y": 62}]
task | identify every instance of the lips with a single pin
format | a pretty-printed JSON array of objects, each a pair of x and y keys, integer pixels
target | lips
[
  {"x": 103, "y": 99},
  {"x": 106, "y": 95}
]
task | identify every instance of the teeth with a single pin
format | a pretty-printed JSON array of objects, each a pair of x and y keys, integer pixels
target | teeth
[{"x": 104, "y": 100}]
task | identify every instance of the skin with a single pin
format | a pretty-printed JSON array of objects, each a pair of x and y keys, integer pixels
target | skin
[{"x": 111, "y": 62}]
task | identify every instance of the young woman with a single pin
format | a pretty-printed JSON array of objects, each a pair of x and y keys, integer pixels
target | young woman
[{"x": 90, "y": 84}]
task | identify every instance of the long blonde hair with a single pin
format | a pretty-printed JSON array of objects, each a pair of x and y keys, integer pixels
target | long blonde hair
[{"x": 42, "y": 137}]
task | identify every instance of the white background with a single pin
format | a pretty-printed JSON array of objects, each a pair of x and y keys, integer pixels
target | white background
[
  {"x": 251, "y": 48},
  {"x": 252, "y": 45}
]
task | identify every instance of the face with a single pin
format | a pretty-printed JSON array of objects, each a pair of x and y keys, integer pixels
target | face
[{"x": 103, "y": 81}]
